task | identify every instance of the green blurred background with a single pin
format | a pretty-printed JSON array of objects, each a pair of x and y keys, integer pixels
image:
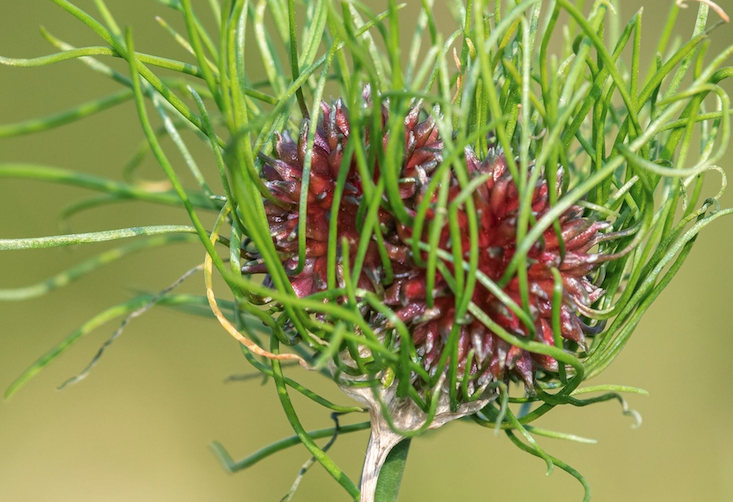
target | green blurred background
[{"x": 139, "y": 426}]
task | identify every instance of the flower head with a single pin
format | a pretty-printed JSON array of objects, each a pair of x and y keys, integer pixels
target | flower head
[{"x": 431, "y": 315}]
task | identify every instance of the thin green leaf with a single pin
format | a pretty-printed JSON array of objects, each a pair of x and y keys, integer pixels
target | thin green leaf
[
  {"x": 234, "y": 466},
  {"x": 91, "y": 237},
  {"x": 390, "y": 476},
  {"x": 68, "y": 276},
  {"x": 98, "y": 320}
]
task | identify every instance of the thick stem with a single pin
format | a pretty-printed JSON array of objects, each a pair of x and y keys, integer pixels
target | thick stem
[
  {"x": 390, "y": 477},
  {"x": 381, "y": 442},
  {"x": 407, "y": 416}
]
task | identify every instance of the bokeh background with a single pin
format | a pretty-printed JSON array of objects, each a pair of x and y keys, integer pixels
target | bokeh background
[{"x": 139, "y": 427}]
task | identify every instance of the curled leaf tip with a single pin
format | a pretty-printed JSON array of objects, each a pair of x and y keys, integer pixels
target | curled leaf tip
[{"x": 717, "y": 8}]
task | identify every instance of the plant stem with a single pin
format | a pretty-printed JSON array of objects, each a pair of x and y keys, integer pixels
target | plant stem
[
  {"x": 390, "y": 477},
  {"x": 387, "y": 450},
  {"x": 382, "y": 441}
]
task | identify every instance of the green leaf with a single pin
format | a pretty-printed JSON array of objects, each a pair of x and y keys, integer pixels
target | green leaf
[
  {"x": 98, "y": 320},
  {"x": 91, "y": 237},
  {"x": 100, "y": 184},
  {"x": 390, "y": 477},
  {"x": 88, "y": 266},
  {"x": 234, "y": 466}
]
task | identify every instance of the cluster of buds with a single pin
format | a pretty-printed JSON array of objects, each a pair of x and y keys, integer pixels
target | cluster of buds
[{"x": 431, "y": 315}]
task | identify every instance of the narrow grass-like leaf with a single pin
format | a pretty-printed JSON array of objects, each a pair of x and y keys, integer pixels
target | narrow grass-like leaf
[
  {"x": 307, "y": 440},
  {"x": 390, "y": 476},
  {"x": 91, "y": 237},
  {"x": 68, "y": 276},
  {"x": 234, "y": 466},
  {"x": 66, "y": 117},
  {"x": 90, "y": 181},
  {"x": 98, "y": 320},
  {"x": 562, "y": 465}
]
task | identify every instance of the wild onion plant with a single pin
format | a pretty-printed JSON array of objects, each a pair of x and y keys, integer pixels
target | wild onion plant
[{"x": 469, "y": 229}]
